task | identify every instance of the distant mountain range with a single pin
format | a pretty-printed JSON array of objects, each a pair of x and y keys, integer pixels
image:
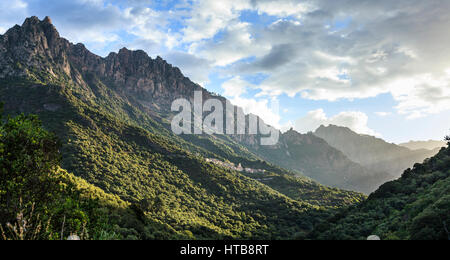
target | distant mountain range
[
  {"x": 373, "y": 153},
  {"x": 427, "y": 145},
  {"x": 315, "y": 158}
]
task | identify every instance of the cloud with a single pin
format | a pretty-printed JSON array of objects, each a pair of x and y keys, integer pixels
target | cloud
[
  {"x": 11, "y": 13},
  {"x": 315, "y": 49},
  {"x": 383, "y": 114},
  {"x": 83, "y": 20},
  {"x": 422, "y": 94},
  {"x": 267, "y": 109},
  {"x": 235, "y": 87},
  {"x": 153, "y": 26},
  {"x": 387, "y": 47},
  {"x": 282, "y": 8},
  {"x": 207, "y": 18},
  {"x": 278, "y": 56},
  {"x": 194, "y": 67},
  {"x": 236, "y": 40},
  {"x": 356, "y": 121},
  {"x": 236, "y": 43},
  {"x": 102, "y": 24}
]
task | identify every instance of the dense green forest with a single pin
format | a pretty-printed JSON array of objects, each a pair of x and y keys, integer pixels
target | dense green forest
[
  {"x": 38, "y": 200},
  {"x": 161, "y": 191},
  {"x": 417, "y": 207}
]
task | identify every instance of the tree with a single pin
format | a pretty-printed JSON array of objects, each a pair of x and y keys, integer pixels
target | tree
[{"x": 29, "y": 158}]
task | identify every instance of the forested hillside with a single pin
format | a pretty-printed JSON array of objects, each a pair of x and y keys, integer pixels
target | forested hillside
[
  {"x": 119, "y": 148},
  {"x": 417, "y": 206},
  {"x": 39, "y": 200}
]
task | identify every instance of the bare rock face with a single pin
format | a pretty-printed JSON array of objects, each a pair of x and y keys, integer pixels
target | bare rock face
[
  {"x": 147, "y": 80},
  {"x": 36, "y": 45}
]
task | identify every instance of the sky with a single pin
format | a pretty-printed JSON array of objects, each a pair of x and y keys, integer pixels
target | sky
[{"x": 378, "y": 67}]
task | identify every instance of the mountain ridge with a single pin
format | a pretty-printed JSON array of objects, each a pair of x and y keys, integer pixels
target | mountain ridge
[
  {"x": 372, "y": 152},
  {"x": 145, "y": 83},
  {"x": 426, "y": 145},
  {"x": 111, "y": 140},
  {"x": 315, "y": 158}
]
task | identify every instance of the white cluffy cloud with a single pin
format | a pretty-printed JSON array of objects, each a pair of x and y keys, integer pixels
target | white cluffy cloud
[
  {"x": 383, "y": 114},
  {"x": 356, "y": 121},
  {"x": 283, "y": 8},
  {"x": 314, "y": 49},
  {"x": 266, "y": 109},
  {"x": 358, "y": 49},
  {"x": 207, "y": 18},
  {"x": 235, "y": 87}
]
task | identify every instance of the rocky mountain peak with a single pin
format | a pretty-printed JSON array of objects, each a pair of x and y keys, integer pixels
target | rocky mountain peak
[
  {"x": 35, "y": 21},
  {"x": 35, "y": 44},
  {"x": 34, "y": 26},
  {"x": 47, "y": 20},
  {"x": 292, "y": 133},
  {"x": 31, "y": 21},
  {"x": 33, "y": 34},
  {"x": 335, "y": 128},
  {"x": 125, "y": 51},
  {"x": 294, "y": 137}
]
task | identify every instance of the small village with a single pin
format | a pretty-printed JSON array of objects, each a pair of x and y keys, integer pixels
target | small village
[{"x": 232, "y": 166}]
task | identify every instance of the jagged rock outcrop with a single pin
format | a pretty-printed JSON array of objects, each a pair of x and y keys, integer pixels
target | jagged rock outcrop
[
  {"x": 34, "y": 45},
  {"x": 37, "y": 45}
]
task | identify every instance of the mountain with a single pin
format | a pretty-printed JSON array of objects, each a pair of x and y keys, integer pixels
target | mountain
[
  {"x": 112, "y": 117},
  {"x": 426, "y": 145},
  {"x": 315, "y": 158},
  {"x": 416, "y": 206},
  {"x": 130, "y": 80},
  {"x": 373, "y": 153}
]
